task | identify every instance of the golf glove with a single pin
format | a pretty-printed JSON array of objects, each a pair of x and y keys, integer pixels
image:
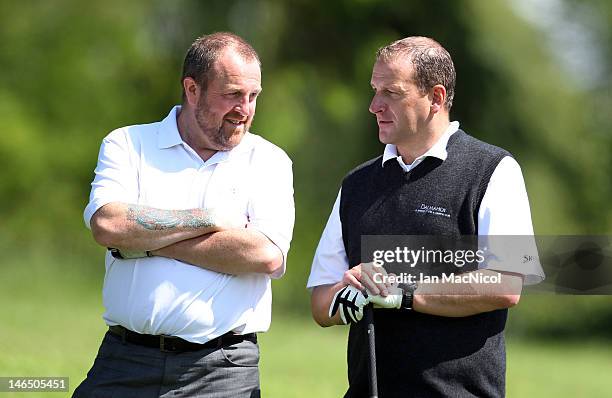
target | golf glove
[
  {"x": 350, "y": 302},
  {"x": 393, "y": 300}
]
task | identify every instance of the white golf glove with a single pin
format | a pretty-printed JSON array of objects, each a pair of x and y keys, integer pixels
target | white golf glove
[
  {"x": 350, "y": 302},
  {"x": 393, "y": 300}
]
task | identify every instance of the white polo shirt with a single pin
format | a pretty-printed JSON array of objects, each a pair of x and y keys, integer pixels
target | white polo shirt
[
  {"x": 504, "y": 210},
  {"x": 151, "y": 165}
]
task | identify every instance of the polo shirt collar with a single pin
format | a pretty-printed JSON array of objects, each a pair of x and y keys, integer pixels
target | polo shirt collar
[
  {"x": 246, "y": 144},
  {"x": 169, "y": 136},
  {"x": 438, "y": 150}
]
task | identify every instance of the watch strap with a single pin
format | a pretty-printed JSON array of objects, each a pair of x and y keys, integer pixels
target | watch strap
[{"x": 407, "y": 295}]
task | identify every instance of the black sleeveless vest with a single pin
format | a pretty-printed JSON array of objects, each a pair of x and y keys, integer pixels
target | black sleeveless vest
[{"x": 420, "y": 355}]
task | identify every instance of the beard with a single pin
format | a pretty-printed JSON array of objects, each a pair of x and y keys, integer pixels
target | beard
[{"x": 222, "y": 135}]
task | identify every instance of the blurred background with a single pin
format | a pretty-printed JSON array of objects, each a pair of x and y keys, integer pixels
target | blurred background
[{"x": 533, "y": 76}]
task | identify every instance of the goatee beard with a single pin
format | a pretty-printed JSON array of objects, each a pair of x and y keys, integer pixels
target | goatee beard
[{"x": 215, "y": 134}]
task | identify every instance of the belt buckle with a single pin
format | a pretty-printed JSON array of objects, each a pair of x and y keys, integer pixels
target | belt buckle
[{"x": 162, "y": 344}]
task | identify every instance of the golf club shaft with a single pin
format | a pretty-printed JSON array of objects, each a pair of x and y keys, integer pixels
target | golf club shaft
[{"x": 369, "y": 318}]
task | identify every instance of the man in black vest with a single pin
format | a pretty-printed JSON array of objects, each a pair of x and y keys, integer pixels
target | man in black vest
[{"x": 438, "y": 339}]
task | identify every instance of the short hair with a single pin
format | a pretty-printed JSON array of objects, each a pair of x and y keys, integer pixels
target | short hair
[
  {"x": 205, "y": 51},
  {"x": 432, "y": 63}
]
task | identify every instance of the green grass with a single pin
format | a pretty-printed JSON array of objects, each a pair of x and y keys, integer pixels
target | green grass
[
  {"x": 51, "y": 325},
  {"x": 301, "y": 359},
  {"x": 539, "y": 369}
]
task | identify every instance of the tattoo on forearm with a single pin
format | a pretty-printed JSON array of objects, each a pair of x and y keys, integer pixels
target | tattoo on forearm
[{"x": 156, "y": 219}]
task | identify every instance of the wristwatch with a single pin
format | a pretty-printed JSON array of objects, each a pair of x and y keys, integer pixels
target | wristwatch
[
  {"x": 407, "y": 295},
  {"x": 116, "y": 253}
]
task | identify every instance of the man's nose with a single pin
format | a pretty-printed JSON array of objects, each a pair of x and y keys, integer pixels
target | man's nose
[
  {"x": 242, "y": 106},
  {"x": 376, "y": 105}
]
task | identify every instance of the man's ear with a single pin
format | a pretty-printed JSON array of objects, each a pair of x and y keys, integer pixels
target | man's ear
[
  {"x": 438, "y": 97},
  {"x": 192, "y": 91}
]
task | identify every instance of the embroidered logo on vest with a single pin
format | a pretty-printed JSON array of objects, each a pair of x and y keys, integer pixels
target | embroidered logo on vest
[{"x": 434, "y": 210}]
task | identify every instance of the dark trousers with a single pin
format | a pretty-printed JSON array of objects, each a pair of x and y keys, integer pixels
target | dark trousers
[{"x": 122, "y": 369}]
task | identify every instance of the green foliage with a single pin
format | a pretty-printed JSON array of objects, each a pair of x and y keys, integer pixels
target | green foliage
[{"x": 74, "y": 71}]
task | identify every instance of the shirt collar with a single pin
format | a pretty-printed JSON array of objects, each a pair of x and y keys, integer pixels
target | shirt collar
[
  {"x": 169, "y": 136},
  {"x": 438, "y": 150}
]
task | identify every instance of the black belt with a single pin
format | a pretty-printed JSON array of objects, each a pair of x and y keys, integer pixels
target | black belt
[{"x": 176, "y": 344}]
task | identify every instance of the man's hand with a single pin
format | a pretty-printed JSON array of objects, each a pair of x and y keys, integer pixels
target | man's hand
[
  {"x": 350, "y": 302},
  {"x": 228, "y": 220},
  {"x": 368, "y": 276},
  {"x": 375, "y": 280},
  {"x": 393, "y": 300},
  {"x": 357, "y": 287}
]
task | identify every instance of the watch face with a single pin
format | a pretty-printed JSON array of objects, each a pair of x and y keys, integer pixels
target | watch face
[
  {"x": 115, "y": 253},
  {"x": 407, "y": 299},
  {"x": 408, "y": 287}
]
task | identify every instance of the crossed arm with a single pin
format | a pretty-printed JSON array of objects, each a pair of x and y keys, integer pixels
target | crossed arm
[
  {"x": 204, "y": 238},
  {"x": 442, "y": 299}
]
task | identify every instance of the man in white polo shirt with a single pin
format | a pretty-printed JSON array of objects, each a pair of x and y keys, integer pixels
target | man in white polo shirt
[{"x": 199, "y": 215}]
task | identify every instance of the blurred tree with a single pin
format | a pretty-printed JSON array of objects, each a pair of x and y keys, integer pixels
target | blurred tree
[{"x": 73, "y": 71}]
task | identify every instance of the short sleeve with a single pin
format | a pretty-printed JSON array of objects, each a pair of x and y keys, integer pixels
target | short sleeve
[
  {"x": 271, "y": 207},
  {"x": 505, "y": 227},
  {"x": 115, "y": 175},
  {"x": 330, "y": 261}
]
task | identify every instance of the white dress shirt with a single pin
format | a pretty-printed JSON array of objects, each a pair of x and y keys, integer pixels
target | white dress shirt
[
  {"x": 150, "y": 165},
  {"x": 504, "y": 210}
]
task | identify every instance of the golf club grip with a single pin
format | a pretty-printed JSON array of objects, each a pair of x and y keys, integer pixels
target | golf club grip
[{"x": 369, "y": 318}]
